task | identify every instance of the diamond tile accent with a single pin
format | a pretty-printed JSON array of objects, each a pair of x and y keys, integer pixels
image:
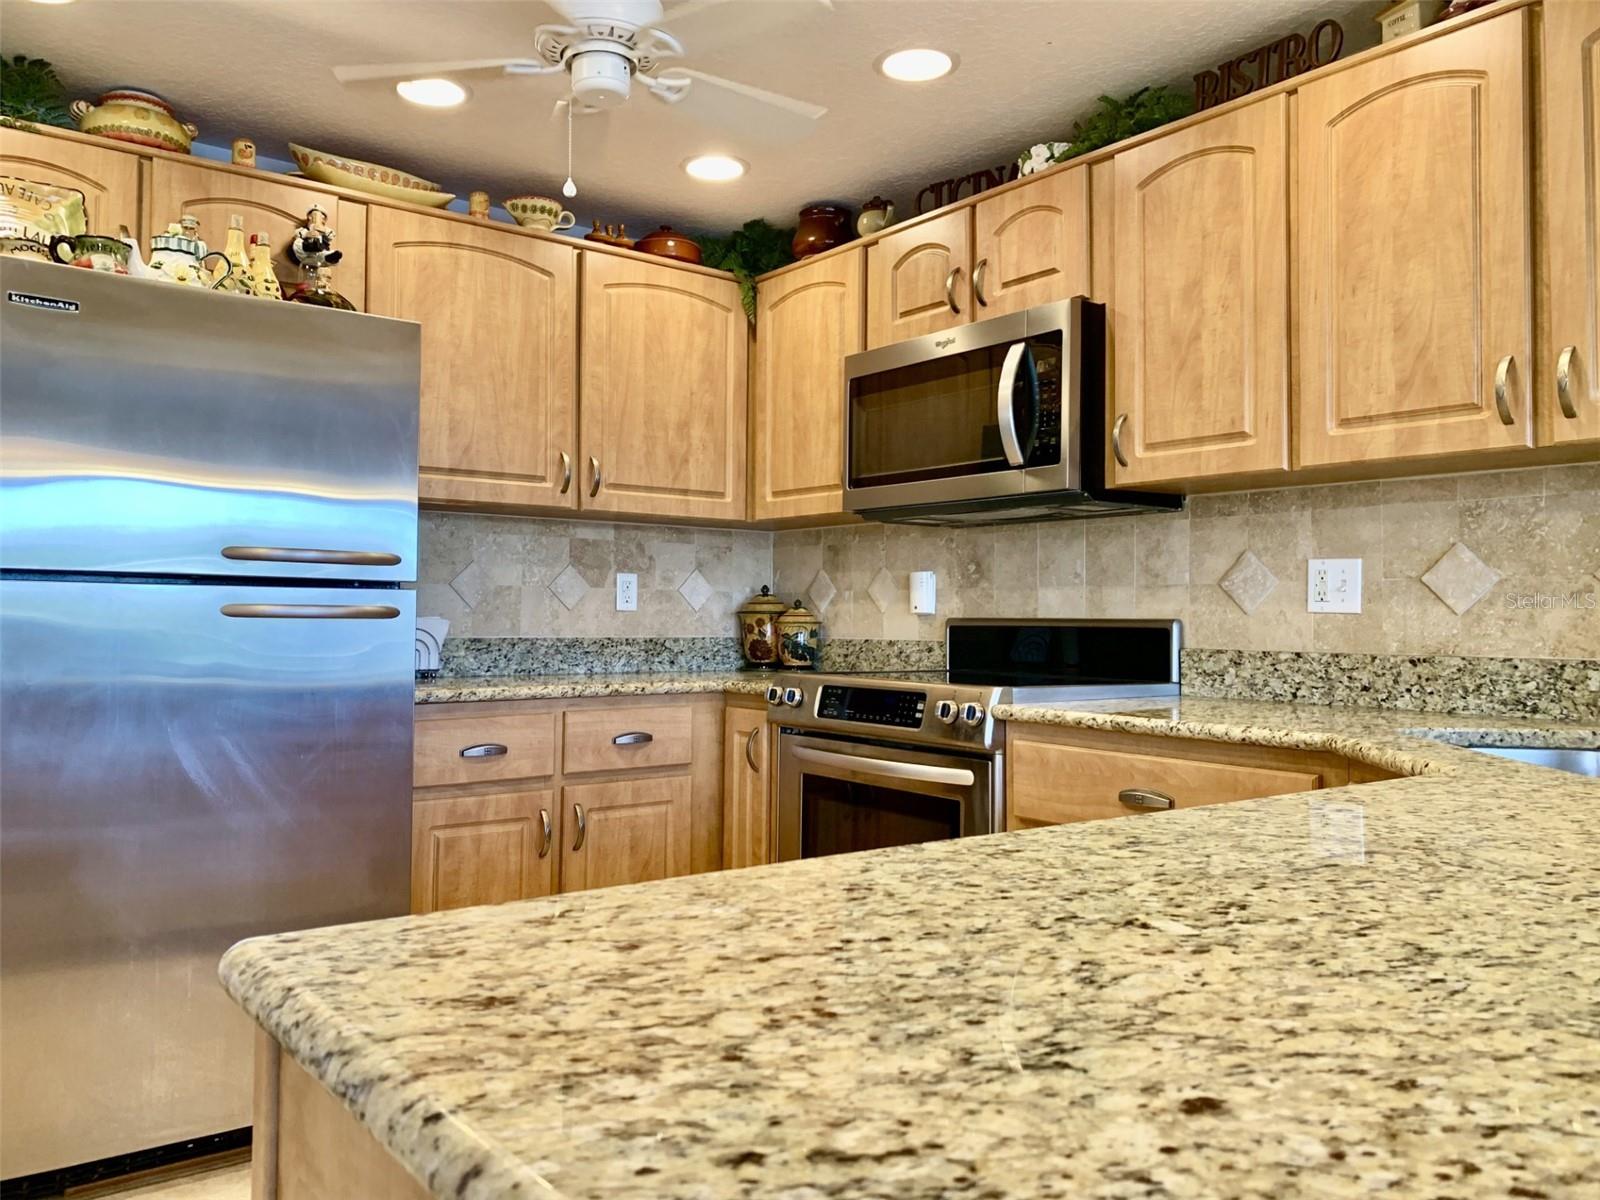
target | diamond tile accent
[
  {"x": 821, "y": 592},
  {"x": 882, "y": 589},
  {"x": 1248, "y": 582},
  {"x": 469, "y": 584},
  {"x": 569, "y": 586},
  {"x": 695, "y": 590},
  {"x": 1460, "y": 578}
]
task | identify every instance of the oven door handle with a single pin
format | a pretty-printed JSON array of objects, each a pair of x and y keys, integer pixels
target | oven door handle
[
  {"x": 1006, "y": 408},
  {"x": 887, "y": 768}
]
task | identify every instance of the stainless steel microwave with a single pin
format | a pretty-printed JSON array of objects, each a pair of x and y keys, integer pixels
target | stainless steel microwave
[{"x": 1000, "y": 420}]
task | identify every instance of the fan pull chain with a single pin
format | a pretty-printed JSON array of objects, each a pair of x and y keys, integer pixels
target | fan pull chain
[{"x": 569, "y": 189}]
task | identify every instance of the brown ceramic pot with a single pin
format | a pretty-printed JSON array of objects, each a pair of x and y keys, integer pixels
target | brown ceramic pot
[
  {"x": 821, "y": 227},
  {"x": 669, "y": 243}
]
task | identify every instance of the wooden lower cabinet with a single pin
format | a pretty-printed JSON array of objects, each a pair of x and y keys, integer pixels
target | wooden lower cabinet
[
  {"x": 482, "y": 849},
  {"x": 747, "y": 828},
  {"x": 1055, "y": 776},
  {"x": 625, "y": 831}
]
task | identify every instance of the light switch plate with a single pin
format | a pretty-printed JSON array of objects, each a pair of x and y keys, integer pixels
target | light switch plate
[
  {"x": 627, "y": 592},
  {"x": 924, "y": 587},
  {"x": 1333, "y": 585}
]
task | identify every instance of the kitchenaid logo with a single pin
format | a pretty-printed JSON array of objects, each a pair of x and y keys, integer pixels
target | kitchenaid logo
[{"x": 50, "y": 302}]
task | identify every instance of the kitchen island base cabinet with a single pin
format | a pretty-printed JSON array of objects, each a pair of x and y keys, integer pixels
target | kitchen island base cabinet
[{"x": 481, "y": 849}]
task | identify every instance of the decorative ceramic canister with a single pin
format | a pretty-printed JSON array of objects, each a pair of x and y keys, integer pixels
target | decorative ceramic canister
[
  {"x": 876, "y": 214},
  {"x": 244, "y": 152},
  {"x": 96, "y": 252},
  {"x": 131, "y": 115},
  {"x": 478, "y": 206},
  {"x": 669, "y": 243},
  {"x": 181, "y": 259},
  {"x": 758, "y": 629},
  {"x": 821, "y": 227},
  {"x": 799, "y": 638}
]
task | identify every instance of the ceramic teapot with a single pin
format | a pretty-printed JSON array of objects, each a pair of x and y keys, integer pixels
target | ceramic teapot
[{"x": 178, "y": 258}]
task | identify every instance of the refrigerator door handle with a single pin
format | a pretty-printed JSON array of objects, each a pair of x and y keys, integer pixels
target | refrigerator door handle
[
  {"x": 314, "y": 612},
  {"x": 299, "y": 554}
]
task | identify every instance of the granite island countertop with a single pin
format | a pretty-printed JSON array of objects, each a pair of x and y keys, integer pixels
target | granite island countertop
[
  {"x": 565, "y": 687},
  {"x": 1392, "y": 987}
]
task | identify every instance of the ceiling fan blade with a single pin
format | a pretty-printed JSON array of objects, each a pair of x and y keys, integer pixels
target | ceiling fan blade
[
  {"x": 742, "y": 109},
  {"x": 706, "y": 25},
  {"x": 364, "y": 73}
]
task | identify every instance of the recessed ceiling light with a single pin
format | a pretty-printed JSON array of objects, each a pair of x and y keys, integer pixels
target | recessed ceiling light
[
  {"x": 431, "y": 93},
  {"x": 916, "y": 66},
  {"x": 52, "y": 1},
  {"x": 714, "y": 168}
]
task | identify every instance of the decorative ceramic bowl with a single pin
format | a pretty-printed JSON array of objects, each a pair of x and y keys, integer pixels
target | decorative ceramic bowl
[
  {"x": 539, "y": 212},
  {"x": 369, "y": 177},
  {"x": 669, "y": 243},
  {"x": 133, "y": 115}
]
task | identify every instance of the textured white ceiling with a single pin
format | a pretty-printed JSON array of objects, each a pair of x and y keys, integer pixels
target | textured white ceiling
[{"x": 1028, "y": 68}]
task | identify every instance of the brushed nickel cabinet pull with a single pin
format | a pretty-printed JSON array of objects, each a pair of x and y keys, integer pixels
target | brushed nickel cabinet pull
[
  {"x": 566, "y": 472},
  {"x": 636, "y": 738},
  {"x": 1146, "y": 798},
  {"x": 577, "y": 813},
  {"x": 978, "y": 272},
  {"x": 594, "y": 474},
  {"x": 313, "y": 612},
  {"x": 750, "y": 749},
  {"x": 950, "y": 290},
  {"x": 485, "y": 750},
  {"x": 1502, "y": 389},
  {"x": 1569, "y": 410},
  {"x": 301, "y": 554},
  {"x": 544, "y": 821},
  {"x": 1116, "y": 439}
]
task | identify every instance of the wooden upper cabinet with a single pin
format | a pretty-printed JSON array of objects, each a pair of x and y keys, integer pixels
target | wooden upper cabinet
[
  {"x": 268, "y": 203},
  {"x": 1031, "y": 244},
  {"x": 1569, "y": 373},
  {"x": 108, "y": 179},
  {"x": 1200, "y": 299},
  {"x": 917, "y": 279},
  {"x": 481, "y": 849},
  {"x": 499, "y": 322},
  {"x": 629, "y": 831},
  {"x": 1415, "y": 282},
  {"x": 808, "y": 320},
  {"x": 747, "y": 803},
  {"x": 664, "y": 370}
]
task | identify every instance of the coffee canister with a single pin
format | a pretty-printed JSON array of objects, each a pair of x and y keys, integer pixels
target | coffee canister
[
  {"x": 799, "y": 638},
  {"x": 758, "y": 629}
]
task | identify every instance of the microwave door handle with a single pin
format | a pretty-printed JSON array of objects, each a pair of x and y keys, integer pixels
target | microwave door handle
[
  {"x": 1005, "y": 410},
  {"x": 886, "y": 768}
]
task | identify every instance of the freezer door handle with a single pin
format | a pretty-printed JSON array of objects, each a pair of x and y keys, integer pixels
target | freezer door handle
[
  {"x": 314, "y": 612},
  {"x": 300, "y": 554}
]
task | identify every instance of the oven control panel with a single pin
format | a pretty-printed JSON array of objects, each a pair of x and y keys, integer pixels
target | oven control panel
[{"x": 893, "y": 707}]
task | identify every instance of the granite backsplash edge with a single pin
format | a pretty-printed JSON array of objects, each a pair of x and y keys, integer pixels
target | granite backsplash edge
[{"x": 1556, "y": 689}]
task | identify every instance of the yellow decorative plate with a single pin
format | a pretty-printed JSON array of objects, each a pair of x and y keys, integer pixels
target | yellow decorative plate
[{"x": 369, "y": 177}]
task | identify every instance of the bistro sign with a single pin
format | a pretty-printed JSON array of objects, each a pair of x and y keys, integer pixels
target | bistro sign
[{"x": 1292, "y": 54}]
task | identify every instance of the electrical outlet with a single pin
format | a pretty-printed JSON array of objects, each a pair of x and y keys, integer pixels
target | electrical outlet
[
  {"x": 1333, "y": 585},
  {"x": 627, "y": 592}
]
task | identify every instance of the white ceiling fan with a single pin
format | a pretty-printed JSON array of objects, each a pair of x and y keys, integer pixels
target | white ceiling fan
[{"x": 607, "y": 45}]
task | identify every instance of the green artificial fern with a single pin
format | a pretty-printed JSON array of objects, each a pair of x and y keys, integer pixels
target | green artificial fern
[
  {"x": 1146, "y": 109},
  {"x": 753, "y": 249},
  {"x": 30, "y": 91}
]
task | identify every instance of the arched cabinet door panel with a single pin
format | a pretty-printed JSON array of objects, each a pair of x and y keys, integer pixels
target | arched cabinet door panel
[
  {"x": 918, "y": 280},
  {"x": 1200, "y": 307},
  {"x": 1031, "y": 244},
  {"x": 108, "y": 179},
  {"x": 1416, "y": 313}
]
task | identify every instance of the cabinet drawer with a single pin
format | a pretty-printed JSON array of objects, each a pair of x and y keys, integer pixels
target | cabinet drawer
[
  {"x": 617, "y": 739},
  {"x": 1053, "y": 784},
  {"x": 479, "y": 749}
]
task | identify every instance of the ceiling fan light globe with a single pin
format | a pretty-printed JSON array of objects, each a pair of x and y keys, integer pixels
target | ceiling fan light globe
[{"x": 600, "y": 78}]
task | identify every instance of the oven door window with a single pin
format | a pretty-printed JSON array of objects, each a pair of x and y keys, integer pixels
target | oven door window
[{"x": 838, "y": 816}]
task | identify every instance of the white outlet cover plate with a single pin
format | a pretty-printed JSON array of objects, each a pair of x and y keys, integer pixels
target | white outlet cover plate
[
  {"x": 1333, "y": 585},
  {"x": 627, "y": 592}
]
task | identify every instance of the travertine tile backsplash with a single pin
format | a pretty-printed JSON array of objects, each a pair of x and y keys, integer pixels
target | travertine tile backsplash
[{"x": 1533, "y": 534}]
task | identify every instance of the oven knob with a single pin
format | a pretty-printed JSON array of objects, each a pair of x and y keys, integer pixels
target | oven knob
[
  {"x": 774, "y": 694},
  {"x": 972, "y": 714},
  {"x": 946, "y": 711},
  {"x": 793, "y": 696}
]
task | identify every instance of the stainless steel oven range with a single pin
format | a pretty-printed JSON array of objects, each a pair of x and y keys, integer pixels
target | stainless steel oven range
[{"x": 874, "y": 760}]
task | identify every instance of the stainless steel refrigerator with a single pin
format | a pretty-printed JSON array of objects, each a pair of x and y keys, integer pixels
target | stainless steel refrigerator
[{"x": 208, "y": 510}]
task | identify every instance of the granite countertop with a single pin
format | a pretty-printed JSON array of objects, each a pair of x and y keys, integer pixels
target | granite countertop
[
  {"x": 1393, "y": 987},
  {"x": 563, "y": 687}
]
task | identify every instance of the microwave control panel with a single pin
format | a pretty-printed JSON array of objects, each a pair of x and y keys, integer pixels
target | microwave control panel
[
  {"x": 872, "y": 706},
  {"x": 1046, "y": 449}
]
